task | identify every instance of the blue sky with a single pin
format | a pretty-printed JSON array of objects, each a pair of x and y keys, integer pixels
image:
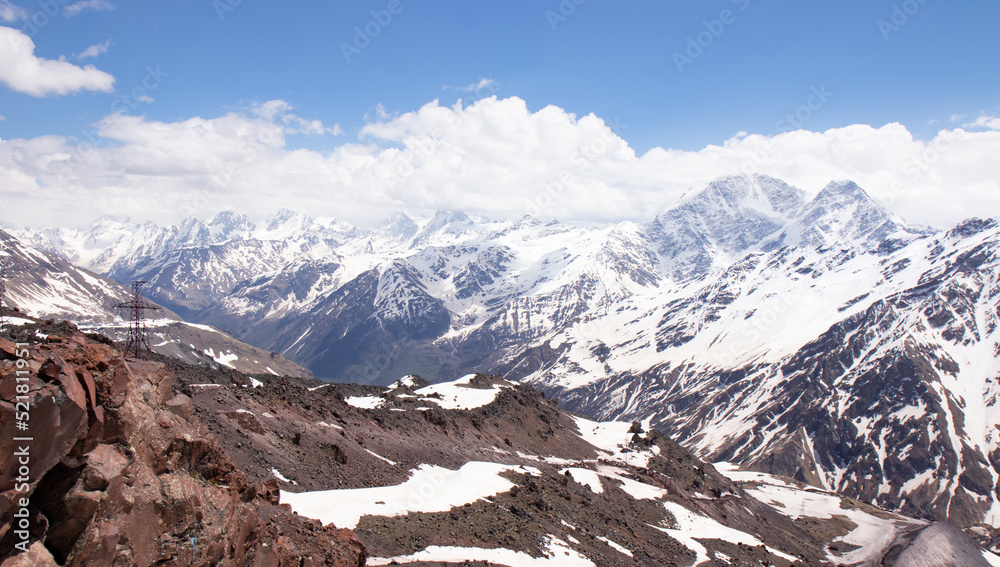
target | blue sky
[{"x": 675, "y": 75}]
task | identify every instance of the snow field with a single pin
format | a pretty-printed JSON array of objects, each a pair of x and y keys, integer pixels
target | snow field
[
  {"x": 429, "y": 489},
  {"x": 558, "y": 554},
  {"x": 453, "y": 395},
  {"x": 871, "y": 534}
]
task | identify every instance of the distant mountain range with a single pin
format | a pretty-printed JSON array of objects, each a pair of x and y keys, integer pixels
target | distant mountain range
[{"x": 823, "y": 339}]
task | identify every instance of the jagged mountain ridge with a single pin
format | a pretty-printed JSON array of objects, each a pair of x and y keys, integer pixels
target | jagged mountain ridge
[
  {"x": 728, "y": 319},
  {"x": 43, "y": 285}
]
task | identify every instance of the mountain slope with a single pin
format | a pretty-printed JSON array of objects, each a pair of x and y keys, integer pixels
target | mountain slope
[
  {"x": 893, "y": 403},
  {"x": 807, "y": 337},
  {"x": 44, "y": 286}
]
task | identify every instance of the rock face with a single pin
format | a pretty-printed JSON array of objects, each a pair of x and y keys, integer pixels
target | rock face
[
  {"x": 940, "y": 545},
  {"x": 122, "y": 474}
]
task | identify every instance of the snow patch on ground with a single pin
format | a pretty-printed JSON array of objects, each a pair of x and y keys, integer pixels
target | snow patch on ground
[
  {"x": 613, "y": 437},
  {"x": 380, "y": 457},
  {"x": 457, "y": 394},
  {"x": 407, "y": 381},
  {"x": 871, "y": 536},
  {"x": 691, "y": 525},
  {"x": 586, "y": 477},
  {"x": 277, "y": 474},
  {"x": 225, "y": 359},
  {"x": 558, "y": 554},
  {"x": 429, "y": 489},
  {"x": 634, "y": 488},
  {"x": 621, "y": 549},
  {"x": 365, "y": 402}
]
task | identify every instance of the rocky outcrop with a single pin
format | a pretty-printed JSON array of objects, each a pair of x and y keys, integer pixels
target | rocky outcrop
[{"x": 121, "y": 473}]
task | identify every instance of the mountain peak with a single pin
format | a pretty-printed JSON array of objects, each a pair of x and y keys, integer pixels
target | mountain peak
[
  {"x": 227, "y": 225},
  {"x": 843, "y": 190},
  {"x": 761, "y": 193},
  {"x": 442, "y": 220},
  {"x": 398, "y": 226},
  {"x": 843, "y": 213},
  {"x": 288, "y": 220}
]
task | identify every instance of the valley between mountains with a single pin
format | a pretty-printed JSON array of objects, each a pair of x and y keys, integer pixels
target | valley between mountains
[{"x": 837, "y": 351}]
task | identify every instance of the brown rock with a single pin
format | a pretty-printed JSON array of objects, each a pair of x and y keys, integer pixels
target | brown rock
[
  {"x": 88, "y": 383},
  {"x": 270, "y": 490},
  {"x": 9, "y": 383},
  {"x": 71, "y": 384},
  {"x": 181, "y": 405},
  {"x": 135, "y": 480},
  {"x": 8, "y": 348},
  {"x": 104, "y": 463},
  {"x": 37, "y": 556},
  {"x": 247, "y": 421}
]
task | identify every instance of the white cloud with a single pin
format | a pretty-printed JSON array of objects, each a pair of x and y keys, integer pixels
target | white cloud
[
  {"x": 486, "y": 84},
  {"x": 484, "y": 87},
  {"x": 984, "y": 121},
  {"x": 494, "y": 157},
  {"x": 381, "y": 113},
  {"x": 94, "y": 50},
  {"x": 11, "y": 12},
  {"x": 274, "y": 110},
  {"x": 22, "y": 71},
  {"x": 76, "y": 8}
]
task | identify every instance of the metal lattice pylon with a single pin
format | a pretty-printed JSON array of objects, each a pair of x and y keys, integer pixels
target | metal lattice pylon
[
  {"x": 4, "y": 261},
  {"x": 135, "y": 342}
]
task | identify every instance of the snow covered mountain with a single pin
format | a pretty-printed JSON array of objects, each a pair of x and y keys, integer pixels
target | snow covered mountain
[
  {"x": 822, "y": 339},
  {"x": 44, "y": 286}
]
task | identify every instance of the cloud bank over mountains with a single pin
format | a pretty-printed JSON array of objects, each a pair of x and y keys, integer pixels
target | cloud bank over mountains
[{"x": 494, "y": 156}]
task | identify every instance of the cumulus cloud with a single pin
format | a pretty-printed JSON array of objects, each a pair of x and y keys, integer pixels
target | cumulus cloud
[
  {"x": 94, "y": 50},
  {"x": 493, "y": 157},
  {"x": 11, "y": 12},
  {"x": 76, "y": 8},
  {"x": 22, "y": 71}
]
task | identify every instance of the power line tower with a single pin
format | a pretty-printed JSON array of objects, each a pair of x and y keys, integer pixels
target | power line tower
[
  {"x": 4, "y": 260},
  {"x": 135, "y": 342}
]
